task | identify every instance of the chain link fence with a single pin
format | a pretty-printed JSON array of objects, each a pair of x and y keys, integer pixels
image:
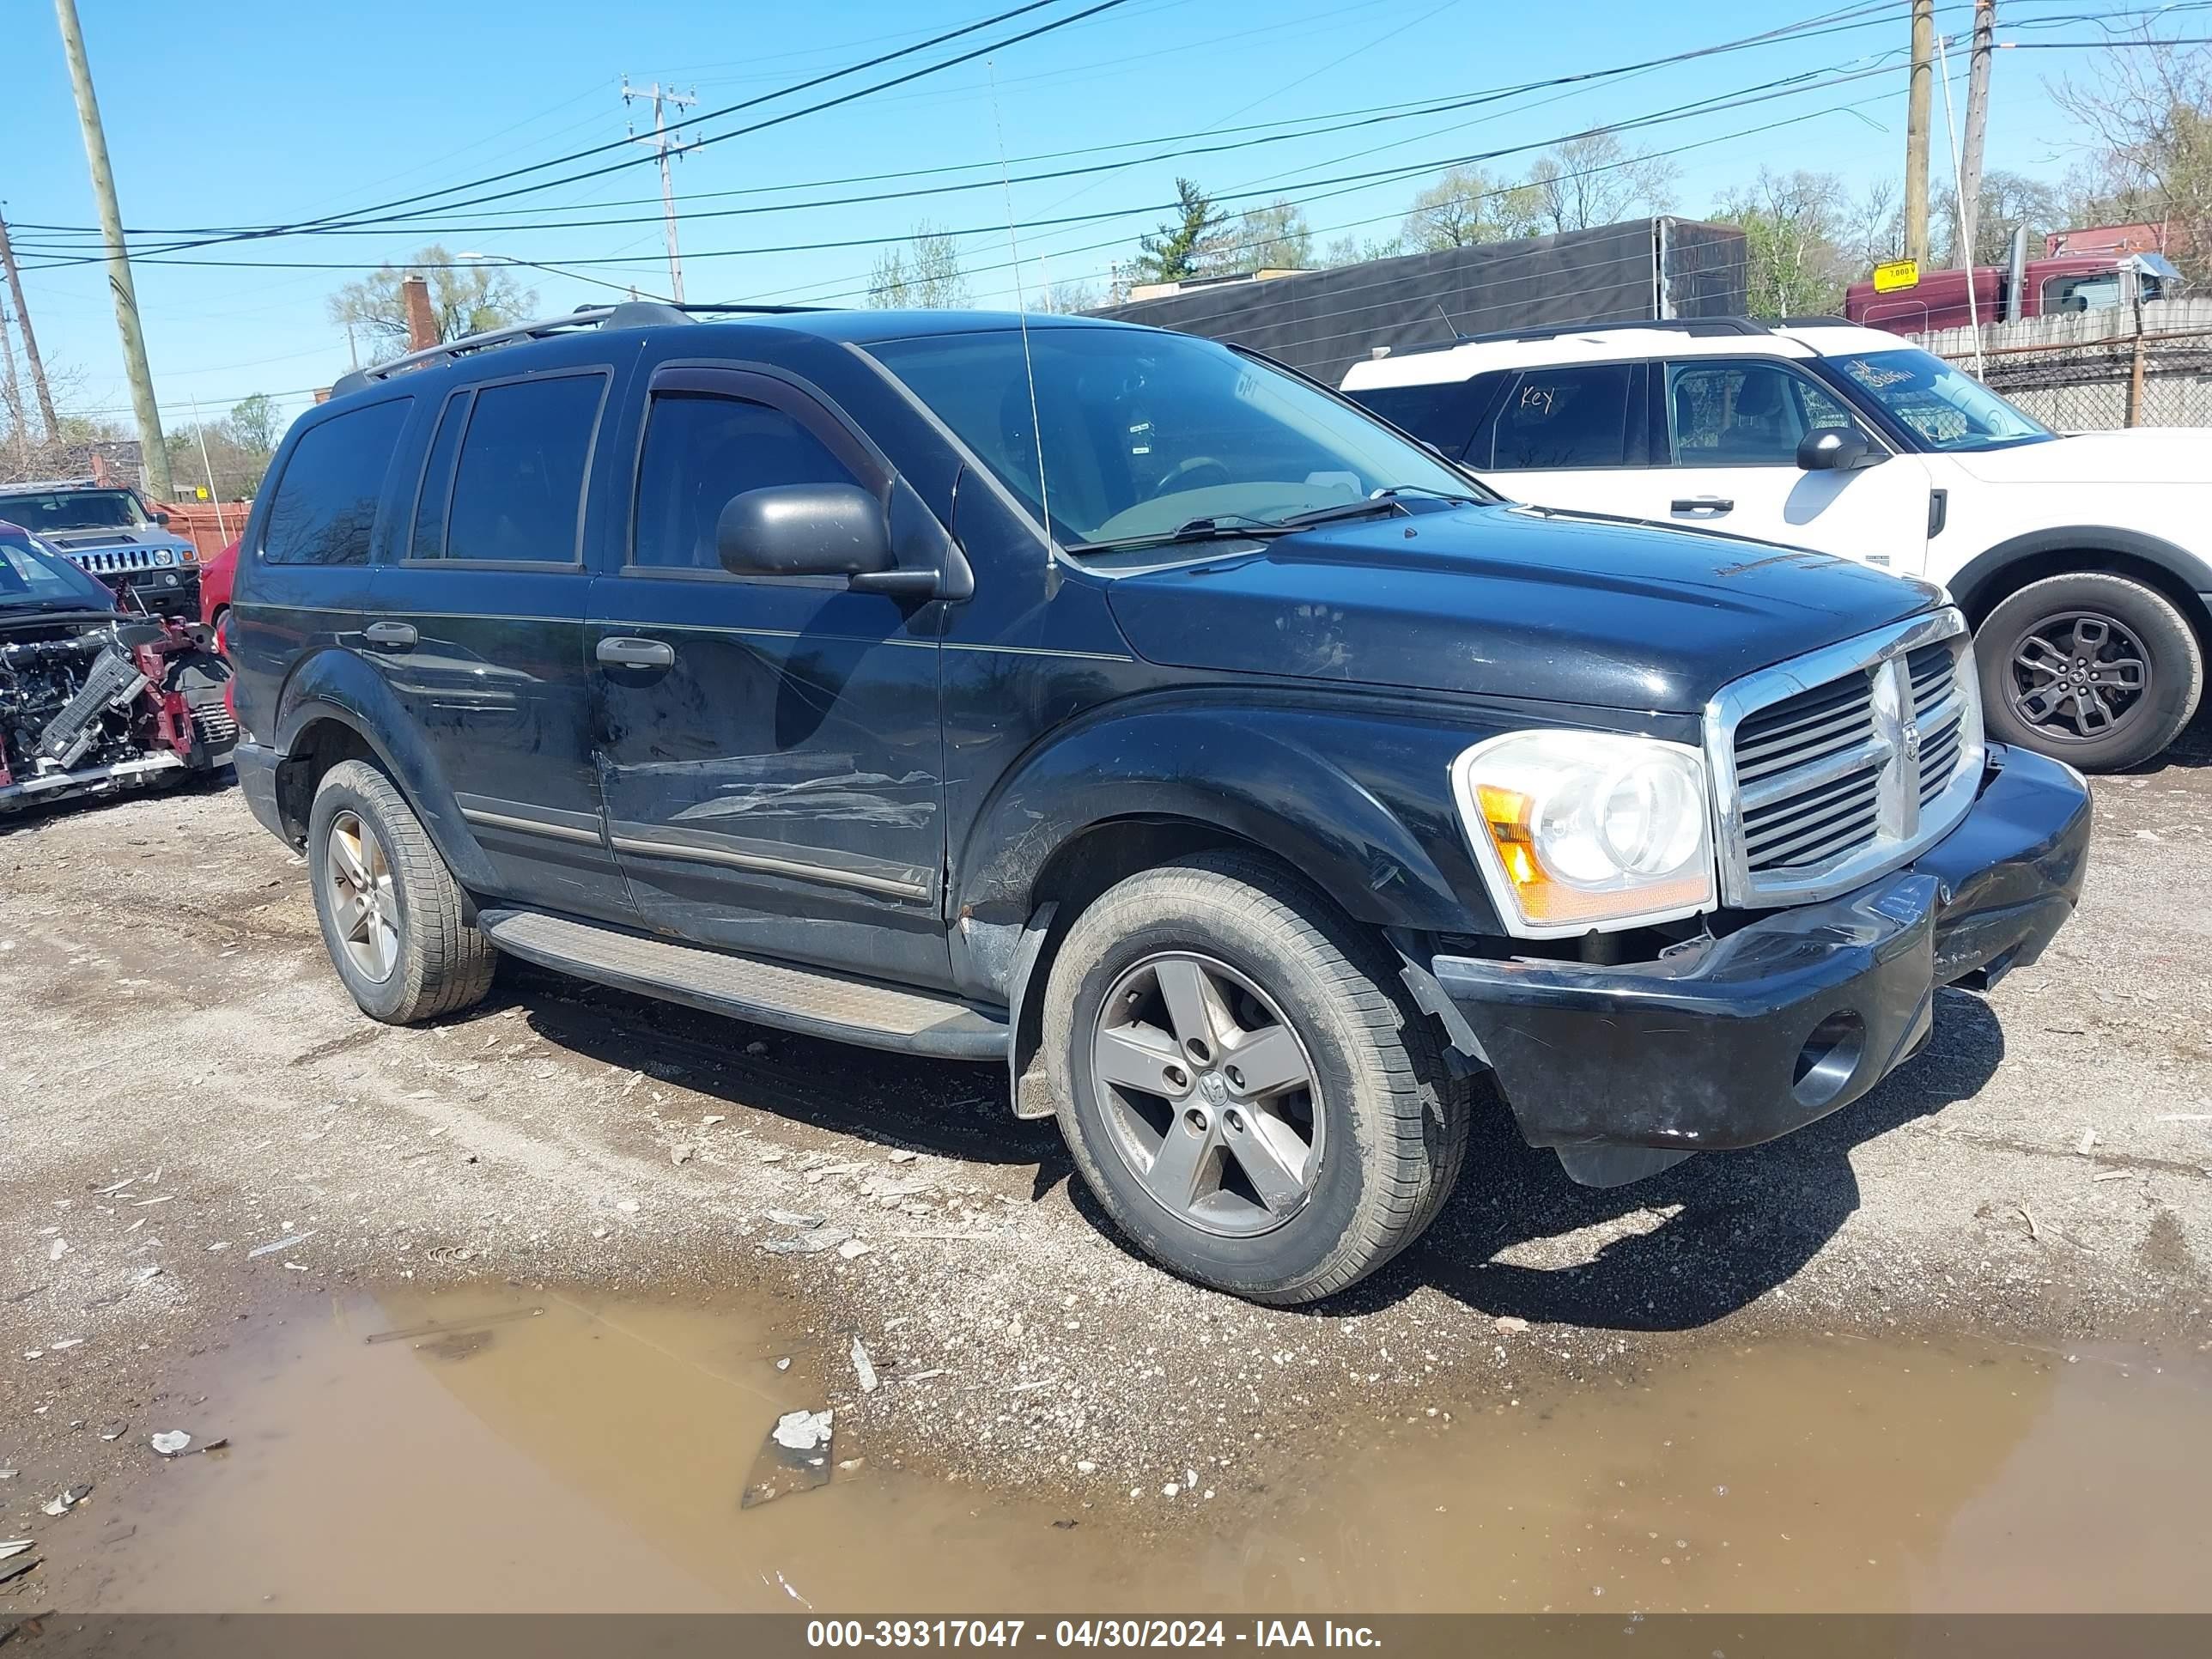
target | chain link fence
[{"x": 2100, "y": 372}]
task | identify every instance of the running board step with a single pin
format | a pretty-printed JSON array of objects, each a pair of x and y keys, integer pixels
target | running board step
[{"x": 832, "y": 1006}]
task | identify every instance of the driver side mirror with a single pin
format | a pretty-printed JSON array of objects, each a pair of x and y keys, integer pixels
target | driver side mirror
[
  {"x": 831, "y": 530},
  {"x": 162, "y": 519},
  {"x": 1837, "y": 449}
]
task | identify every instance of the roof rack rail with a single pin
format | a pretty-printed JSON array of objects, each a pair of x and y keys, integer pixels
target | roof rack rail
[
  {"x": 1816, "y": 320},
  {"x": 1700, "y": 326},
  {"x": 626, "y": 313}
]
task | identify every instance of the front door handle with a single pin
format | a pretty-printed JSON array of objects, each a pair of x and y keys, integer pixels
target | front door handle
[
  {"x": 620, "y": 651},
  {"x": 1714, "y": 504},
  {"x": 392, "y": 636}
]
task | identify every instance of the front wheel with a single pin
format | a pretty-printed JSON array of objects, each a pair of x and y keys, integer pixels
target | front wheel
[
  {"x": 1241, "y": 1087},
  {"x": 2089, "y": 668}
]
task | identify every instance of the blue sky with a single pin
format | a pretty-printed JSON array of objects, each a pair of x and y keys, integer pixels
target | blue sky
[{"x": 254, "y": 112}]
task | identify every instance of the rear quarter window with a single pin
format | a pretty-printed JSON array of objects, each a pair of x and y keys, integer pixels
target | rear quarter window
[
  {"x": 1566, "y": 418},
  {"x": 1445, "y": 414},
  {"x": 325, "y": 505}
]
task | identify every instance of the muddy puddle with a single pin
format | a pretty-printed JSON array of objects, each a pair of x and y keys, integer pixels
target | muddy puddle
[{"x": 591, "y": 1456}]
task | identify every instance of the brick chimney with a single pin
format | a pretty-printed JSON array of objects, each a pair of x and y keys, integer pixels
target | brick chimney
[{"x": 422, "y": 321}]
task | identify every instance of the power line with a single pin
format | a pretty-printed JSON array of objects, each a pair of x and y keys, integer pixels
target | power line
[
  {"x": 1761, "y": 92},
  {"x": 362, "y": 215},
  {"x": 1844, "y": 21}
]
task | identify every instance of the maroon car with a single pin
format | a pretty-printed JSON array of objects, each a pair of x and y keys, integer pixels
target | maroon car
[
  {"x": 217, "y": 576},
  {"x": 94, "y": 699}
]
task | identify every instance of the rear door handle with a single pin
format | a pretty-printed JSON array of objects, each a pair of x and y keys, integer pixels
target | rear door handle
[
  {"x": 1702, "y": 504},
  {"x": 621, "y": 651},
  {"x": 396, "y": 636}
]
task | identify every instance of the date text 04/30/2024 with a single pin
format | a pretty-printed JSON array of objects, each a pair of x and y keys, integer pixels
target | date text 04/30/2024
[{"x": 1084, "y": 1633}]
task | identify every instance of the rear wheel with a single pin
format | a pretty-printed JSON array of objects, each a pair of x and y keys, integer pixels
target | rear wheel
[
  {"x": 1240, "y": 1084},
  {"x": 2091, "y": 668},
  {"x": 397, "y": 926}
]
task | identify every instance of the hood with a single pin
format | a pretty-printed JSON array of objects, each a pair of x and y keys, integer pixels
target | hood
[
  {"x": 79, "y": 541},
  {"x": 2143, "y": 454},
  {"x": 1509, "y": 601}
]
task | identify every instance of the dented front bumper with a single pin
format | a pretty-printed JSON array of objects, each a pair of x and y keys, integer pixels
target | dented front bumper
[{"x": 1730, "y": 1042}]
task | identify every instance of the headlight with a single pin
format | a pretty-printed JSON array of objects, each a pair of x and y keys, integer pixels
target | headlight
[
  {"x": 1578, "y": 831},
  {"x": 163, "y": 556}
]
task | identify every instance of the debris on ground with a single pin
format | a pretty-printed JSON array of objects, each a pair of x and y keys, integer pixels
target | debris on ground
[
  {"x": 806, "y": 1244},
  {"x": 9, "y": 1546},
  {"x": 1510, "y": 1322},
  {"x": 275, "y": 1245},
  {"x": 793, "y": 1218},
  {"x": 853, "y": 1248},
  {"x": 795, "y": 1457},
  {"x": 863, "y": 1367},
  {"x": 903, "y": 1156},
  {"x": 2088, "y": 1140},
  {"x": 170, "y": 1441},
  {"x": 67, "y": 1501},
  {"x": 114, "y": 1431},
  {"x": 17, "y": 1568}
]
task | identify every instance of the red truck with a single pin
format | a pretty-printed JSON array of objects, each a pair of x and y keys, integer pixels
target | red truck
[{"x": 2072, "y": 281}]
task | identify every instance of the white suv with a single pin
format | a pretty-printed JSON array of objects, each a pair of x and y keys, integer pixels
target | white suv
[{"x": 2084, "y": 561}]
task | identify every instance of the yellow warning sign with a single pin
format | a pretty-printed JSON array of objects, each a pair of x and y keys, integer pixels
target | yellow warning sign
[{"x": 1896, "y": 274}]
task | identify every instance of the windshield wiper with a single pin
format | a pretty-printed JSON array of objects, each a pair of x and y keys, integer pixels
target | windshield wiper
[
  {"x": 1382, "y": 501},
  {"x": 1226, "y": 526}
]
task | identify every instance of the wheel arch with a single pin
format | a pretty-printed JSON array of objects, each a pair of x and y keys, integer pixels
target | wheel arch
[
  {"x": 335, "y": 707},
  {"x": 1144, "y": 788},
  {"x": 1994, "y": 575}
]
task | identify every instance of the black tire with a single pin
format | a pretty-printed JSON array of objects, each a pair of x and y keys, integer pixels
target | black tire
[
  {"x": 1396, "y": 1122},
  {"x": 2086, "y": 722},
  {"x": 442, "y": 962}
]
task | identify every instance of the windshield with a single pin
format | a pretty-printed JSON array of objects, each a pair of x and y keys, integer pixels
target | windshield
[
  {"x": 74, "y": 509},
  {"x": 1946, "y": 408},
  {"x": 1145, "y": 433},
  {"x": 31, "y": 577}
]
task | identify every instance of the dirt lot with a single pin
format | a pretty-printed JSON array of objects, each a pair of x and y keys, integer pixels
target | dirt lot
[{"x": 183, "y": 1082}]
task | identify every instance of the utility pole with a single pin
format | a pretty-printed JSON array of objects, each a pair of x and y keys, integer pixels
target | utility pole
[
  {"x": 1917, "y": 111},
  {"x": 1978, "y": 120},
  {"x": 45, "y": 393},
  {"x": 665, "y": 142},
  {"x": 154, "y": 454},
  {"x": 12, "y": 397}
]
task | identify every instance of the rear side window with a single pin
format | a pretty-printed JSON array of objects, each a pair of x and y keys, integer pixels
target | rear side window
[
  {"x": 1444, "y": 414},
  {"x": 326, "y": 504},
  {"x": 1560, "y": 418},
  {"x": 518, "y": 493},
  {"x": 428, "y": 539},
  {"x": 700, "y": 450}
]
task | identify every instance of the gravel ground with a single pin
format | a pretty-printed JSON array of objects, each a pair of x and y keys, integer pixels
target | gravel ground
[{"x": 183, "y": 1081}]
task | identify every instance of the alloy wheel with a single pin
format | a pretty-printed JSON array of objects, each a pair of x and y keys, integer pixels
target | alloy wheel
[
  {"x": 357, "y": 877},
  {"x": 2077, "y": 675},
  {"x": 1208, "y": 1095}
]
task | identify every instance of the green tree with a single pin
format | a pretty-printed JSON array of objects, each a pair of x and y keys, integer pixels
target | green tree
[
  {"x": 1272, "y": 238},
  {"x": 257, "y": 423},
  {"x": 1187, "y": 245},
  {"x": 1464, "y": 207},
  {"x": 1796, "y": 228},
  {"x": 924, "y": 275},
  {"x": 2149, "y": 111},
  {"x": 466, "y": 299}
]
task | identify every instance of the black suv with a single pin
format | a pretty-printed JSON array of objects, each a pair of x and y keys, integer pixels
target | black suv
[{"x": 1131, "y": 711}]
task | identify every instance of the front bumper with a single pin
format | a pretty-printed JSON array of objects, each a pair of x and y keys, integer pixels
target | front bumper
[
  {"x": 1730, "y": 1042},
  {"x": 171, "y": 591}
]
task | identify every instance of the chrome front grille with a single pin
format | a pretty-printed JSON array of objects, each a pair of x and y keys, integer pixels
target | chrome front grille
[
  {"x": 1833, "y": 768},
  {"x": 115, "y": 560}
]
